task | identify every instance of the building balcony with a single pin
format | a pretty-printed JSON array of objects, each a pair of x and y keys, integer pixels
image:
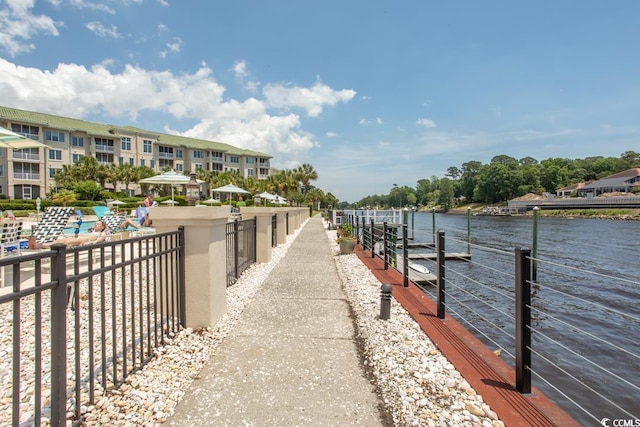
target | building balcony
[
  {"x": 26, "y": 156},
  {"x": 166, "y": 156},
  {"x": 26, "y": 176},
  {"x": 104, "y": 148}
]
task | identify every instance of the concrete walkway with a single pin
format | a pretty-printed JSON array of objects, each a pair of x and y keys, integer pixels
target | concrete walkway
[{"x": 292, "y": 359}]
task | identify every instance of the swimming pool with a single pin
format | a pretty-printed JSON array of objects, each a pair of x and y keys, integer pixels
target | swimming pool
[{"x": 85, "y": 227}]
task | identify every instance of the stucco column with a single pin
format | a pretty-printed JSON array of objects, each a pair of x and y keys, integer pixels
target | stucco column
[
  {"x": 263, "y": 230},
  {"x": 281, "y": 223},
  {"x": 205, "y": 258}
]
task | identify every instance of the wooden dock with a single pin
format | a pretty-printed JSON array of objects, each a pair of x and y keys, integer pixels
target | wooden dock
[{"x": 453, "y": 256}]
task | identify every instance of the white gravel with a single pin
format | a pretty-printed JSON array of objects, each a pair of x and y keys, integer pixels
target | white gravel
[{"x": 417, "y": 384}]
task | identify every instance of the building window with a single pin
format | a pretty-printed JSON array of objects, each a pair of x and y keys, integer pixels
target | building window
[
  {"x": 250, "y": 160},
  {"x": 55, "y": 154},
  {"x": 178, "y": 154},
  {"x": 76, "y": 157},
  {"x": 28, "y": 131},
  {"x": 217, "y": 167},
  {"x": 104, "y": 157},
  {"x": 234, "y": 159},
  {"x": 216, "y": 156},
  {"x": 197, "y": 154},
  {"x": 141, "y": 162},
  {"x": 249, "y": 172},
  {"x": 131, "y": 162},
  {"x": 1, "y": 172},
  {"x": 179, "y": 167},
  {"x": 120, "y": 161},
  {"x": 53, "y": 136},
  {"x": 165, "y": 152},
  {"x": 52, "y": 172},
  {"x": 77, "y": 141},
  {"x": 197, "y": 166},
  {"x": 126, "y": 143},
  {"x": 147, "y": 146},
  {"x": 153, "y": 163}
]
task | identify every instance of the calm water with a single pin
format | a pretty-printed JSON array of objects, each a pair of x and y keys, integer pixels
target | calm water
[{"x": 588, "y": 275}]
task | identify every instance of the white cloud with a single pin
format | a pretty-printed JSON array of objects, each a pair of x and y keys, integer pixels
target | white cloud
[
  {"x": 18, "y": 25},
  {"x": 174, "y": 47},
  {"x": 379, "y": 121},
  {"x": 312, "y": 99},
  {"x": 163, "y": 3},
  {"x": 428, "y": 123},
  {"x": 100, "y": 7},
  {"x": 99, "y": 29},
  {"x": 240, "y": 70},
  {"x": 331, "y": 134},
  {"x": 77, "y": 91}
]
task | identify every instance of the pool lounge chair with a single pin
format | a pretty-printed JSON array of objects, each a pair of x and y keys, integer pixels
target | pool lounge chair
[
  {"x": 101, "y": 211},
  {"x": 10, "y": 238},
  {"x": 52, "y": 224}
]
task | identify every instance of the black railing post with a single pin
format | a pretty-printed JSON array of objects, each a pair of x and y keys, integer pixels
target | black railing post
[
  {"x": 523, "y": 320},
  {"x": 440, "y": 258},
  {"x": 405, "y": 257},
  {"x": 385, "y": 255},
  {"x": 236, "y": 247},
  {"x": 59, "y": 336},
  {"x": 373, "y": 254},
  {"x": 181, "y": 271}
]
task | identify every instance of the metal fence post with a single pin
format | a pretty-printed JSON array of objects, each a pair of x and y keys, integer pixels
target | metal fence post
[
  {"x": 385, "y": 255},
  {"x": 405, "y": 257},
  {"x": 523, "y": 320},
  {"x": 181, "y": 272},
  {"x": 236, "y": 248},
  {"x": 373, "y": 254},
  {"x": 59, "y": 336},
  {"x": 440, "y": 258}
]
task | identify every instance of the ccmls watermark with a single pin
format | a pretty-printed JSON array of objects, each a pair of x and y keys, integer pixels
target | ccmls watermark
[{"x": 620, "y": 422}]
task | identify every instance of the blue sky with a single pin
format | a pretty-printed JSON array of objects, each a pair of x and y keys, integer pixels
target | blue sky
[{"x": 371, "y": 93}]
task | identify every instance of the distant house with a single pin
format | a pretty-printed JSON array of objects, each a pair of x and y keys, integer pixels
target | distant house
[
  {"x": 571, "y": 189},
  {"x": 621, "y": 182}
]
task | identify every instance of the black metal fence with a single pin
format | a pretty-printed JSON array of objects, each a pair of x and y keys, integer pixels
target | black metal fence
[
  {"x": 543, "y": 339},
  {"x": 241, "y": 248},
  {"x": 77, "y": 321},
  {"x": 274, "y": 231}
]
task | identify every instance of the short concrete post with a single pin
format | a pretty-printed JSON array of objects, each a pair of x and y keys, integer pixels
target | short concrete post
[
  {"x": 385, "y": 301},
  {"x": 205, "y": 259},
  {"x": 263, "y": 231}
]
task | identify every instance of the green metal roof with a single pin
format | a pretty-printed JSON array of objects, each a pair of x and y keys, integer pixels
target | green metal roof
[{"x": 110, "y": 131}]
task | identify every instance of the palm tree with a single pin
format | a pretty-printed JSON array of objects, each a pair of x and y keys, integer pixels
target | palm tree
[{"x": 306, "y": 173}]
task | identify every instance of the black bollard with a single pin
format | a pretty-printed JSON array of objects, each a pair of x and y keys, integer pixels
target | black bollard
[{"x": 385, "y": 301}]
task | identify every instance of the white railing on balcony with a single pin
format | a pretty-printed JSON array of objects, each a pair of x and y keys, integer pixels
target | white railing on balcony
[
  {"x": 33, "y": 136},
  {"x": 163, "y": 155},
  {"x": 26, "y": 175},
  {"x": 104, "y": 147},
  {"x": 26, "y": 156}
]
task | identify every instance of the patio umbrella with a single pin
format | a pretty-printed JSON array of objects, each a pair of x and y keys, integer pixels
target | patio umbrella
[
  {"x": 116, "y": 203},
  {"x": 231, "y": 189},
  {"x": 12, "y": 140},
  {"x": 171, "y": 178},
  {"x": 211, "y": 201}
]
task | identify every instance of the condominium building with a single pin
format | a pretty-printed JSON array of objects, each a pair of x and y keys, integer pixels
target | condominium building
[{"x": 28, "y": 173}]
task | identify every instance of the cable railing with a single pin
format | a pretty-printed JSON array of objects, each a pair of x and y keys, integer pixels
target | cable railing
[{"x": 535, "y": 314}]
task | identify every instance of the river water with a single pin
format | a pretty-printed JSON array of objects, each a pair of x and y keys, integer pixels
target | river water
[{"x": 586, "y": 311}]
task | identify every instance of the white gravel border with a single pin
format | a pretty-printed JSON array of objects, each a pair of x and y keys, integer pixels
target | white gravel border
[{"x": 418, "y": 385}]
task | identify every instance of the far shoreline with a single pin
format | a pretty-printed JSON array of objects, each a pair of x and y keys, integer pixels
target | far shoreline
[{"x": 608, "y": 214}]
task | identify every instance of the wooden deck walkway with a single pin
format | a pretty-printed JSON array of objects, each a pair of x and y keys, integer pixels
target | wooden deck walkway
[{"x": 486, "y": 373}]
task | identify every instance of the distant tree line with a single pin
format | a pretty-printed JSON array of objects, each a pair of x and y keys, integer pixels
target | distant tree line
[{"x": 504, "y": 178}]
